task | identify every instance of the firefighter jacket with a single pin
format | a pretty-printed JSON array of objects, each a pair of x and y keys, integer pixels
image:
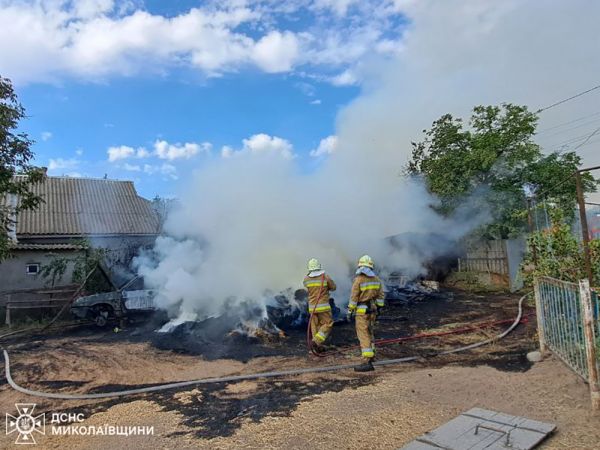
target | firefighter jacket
[
  {"x": 367, "y": 288},
  {"x": 318, "y": 284}
]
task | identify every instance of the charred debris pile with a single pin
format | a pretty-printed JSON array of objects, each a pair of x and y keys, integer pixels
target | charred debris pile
[{"x": 247, "y": 332}]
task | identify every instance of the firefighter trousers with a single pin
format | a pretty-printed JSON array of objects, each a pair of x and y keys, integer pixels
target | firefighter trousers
[
  {"x": 321, "y": 326},
  {"x": 364, "y": 331}
]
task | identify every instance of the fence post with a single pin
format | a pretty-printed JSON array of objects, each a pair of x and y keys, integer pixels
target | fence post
[
  {"x": 7, "y": 321},
  {"x": 584, "y": 228},
  {"x": 539, "y": 315},
  {"x": 590, "y": 341}
]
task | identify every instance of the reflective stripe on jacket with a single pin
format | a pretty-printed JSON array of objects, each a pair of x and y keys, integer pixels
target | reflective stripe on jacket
[
  {"x": 366, "y": 289},
  {"x": 318, "y": 292}
]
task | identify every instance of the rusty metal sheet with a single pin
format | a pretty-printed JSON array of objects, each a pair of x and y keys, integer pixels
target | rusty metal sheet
[{"x": 481, "y": 429}]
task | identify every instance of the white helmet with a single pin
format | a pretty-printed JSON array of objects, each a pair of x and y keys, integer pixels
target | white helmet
[
  {"x": 313, "y": 264},
  {"x": 366, "y": 261}
]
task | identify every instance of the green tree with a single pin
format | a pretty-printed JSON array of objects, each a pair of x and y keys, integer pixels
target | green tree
[
  {"x": 90, "y": 258},
  {"x": 495, "y": 157},
  {"x": 16, "y": 173}
]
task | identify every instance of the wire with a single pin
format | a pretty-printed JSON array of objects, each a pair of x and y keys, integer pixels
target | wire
[
  {"x": 567, "y": 99},
  {"x": 566, "y": 130},
  {"x": 568, "y": 123},
  {"x": 587, "y": 139}
]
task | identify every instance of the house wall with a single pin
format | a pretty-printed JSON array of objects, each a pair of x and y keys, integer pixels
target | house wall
[
  {"x": 121, "y": 251},
  {"x": 13, "y": 275}
]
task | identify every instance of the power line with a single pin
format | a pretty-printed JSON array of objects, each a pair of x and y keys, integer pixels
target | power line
[
  {"x": 568, "y": 123},
  {"x": 587, "y": 139},
  {"x": 564, "y": 129},
  {"x": 571, "y": 140},
  {"x": 567, "y": 99}
]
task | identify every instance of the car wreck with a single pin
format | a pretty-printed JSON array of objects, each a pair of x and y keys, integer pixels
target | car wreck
[{"x": 118, "y": 305}]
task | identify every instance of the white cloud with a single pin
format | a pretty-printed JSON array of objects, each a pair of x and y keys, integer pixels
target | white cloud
[
  {"x": 132, "y": 167},
  {"x": 124, "y": 151},
  {"x": 121, "y": 152},
  {"x": 276, "y": 52},
  {"x": 164, "y": 150},
  {"x": 97, "y": 39},
  {"x": 346, "y": 78},
  {"x": 340, "y": 7},
  {"x": 168, "y": 170},
  {"x": 227, "y": 151},
  {"x": 60, "y": 163},
  {"x": 261, "y": 144},
  {"x": 316, "y": 102},
  {"x": 46, "y": 135},
  {"x": 79, "y": 152},
  {"x": 327, "y": 146}
]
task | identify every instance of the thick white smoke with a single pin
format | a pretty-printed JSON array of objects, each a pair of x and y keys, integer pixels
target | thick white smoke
[{"x": 248, "y": 223}]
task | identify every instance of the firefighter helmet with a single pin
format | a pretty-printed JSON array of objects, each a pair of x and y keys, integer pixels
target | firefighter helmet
[
  {"x": 365, "y": 261},
  {"x": 314, "y": 264}
]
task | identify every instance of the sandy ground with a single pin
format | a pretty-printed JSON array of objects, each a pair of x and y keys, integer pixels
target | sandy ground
[
  {"x": 342, "y": 410},
  {"x": 393, "y": 408}
]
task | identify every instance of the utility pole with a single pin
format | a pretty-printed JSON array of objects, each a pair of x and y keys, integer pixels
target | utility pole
[
  {"x": 531, "y": 230},
  {"x": 584, "y": 228}
]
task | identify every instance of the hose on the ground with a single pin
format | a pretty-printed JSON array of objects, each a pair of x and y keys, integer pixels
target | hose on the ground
[{"x": 254, "y": 376}]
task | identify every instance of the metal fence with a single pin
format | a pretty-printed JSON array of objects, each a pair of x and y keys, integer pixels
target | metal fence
[
  {"x": 563, "y": 322},
  {"x": 567, "y": 315}
]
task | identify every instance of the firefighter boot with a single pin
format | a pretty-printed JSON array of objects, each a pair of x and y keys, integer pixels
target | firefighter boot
[
  {"x": 316, "y": 348},
  {"x": 365, "y": 367}
]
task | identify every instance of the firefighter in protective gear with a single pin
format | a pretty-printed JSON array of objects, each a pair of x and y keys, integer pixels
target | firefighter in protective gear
[
  {"x": 366, "y": 298},
  {"x": 319, "y": 284}
]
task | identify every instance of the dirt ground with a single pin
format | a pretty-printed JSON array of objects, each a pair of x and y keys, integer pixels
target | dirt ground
[{"x": 383, "y": 410}]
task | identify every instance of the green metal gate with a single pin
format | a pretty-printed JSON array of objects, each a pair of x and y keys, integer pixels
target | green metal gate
[{"x": 567, "y": 315}]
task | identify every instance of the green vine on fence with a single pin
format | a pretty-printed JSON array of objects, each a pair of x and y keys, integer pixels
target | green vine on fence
[{"x": 557, "y": 253}]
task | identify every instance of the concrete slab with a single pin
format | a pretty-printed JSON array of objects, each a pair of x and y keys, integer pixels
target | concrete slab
[{"x": 481, "y": 429}]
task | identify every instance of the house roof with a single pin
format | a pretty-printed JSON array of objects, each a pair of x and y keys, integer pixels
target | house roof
[
  {"x": 87, "y": 206},
  {"x": 47, "y": 247}
]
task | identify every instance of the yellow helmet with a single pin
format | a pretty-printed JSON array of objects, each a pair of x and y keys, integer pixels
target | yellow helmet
[
  {"x": 314, "y": 264},
  {"x": 365, "y": 261}
]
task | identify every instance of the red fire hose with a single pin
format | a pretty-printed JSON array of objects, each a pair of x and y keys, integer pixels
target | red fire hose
[{"x": 383, "y": 342}]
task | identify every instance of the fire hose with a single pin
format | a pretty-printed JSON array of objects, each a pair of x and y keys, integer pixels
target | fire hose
[{"x": 254, "y": 376}]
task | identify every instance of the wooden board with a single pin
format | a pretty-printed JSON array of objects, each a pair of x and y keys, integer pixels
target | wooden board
[{"x": 481, "y": 429}]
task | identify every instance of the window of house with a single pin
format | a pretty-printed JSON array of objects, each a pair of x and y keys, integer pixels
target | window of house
[{"x": 32, "y": 269}]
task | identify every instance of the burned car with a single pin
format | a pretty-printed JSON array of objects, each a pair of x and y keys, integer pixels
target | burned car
[{"x": 117, "y": 305}]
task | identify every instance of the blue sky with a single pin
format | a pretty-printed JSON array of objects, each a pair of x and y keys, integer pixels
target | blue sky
[
  {"x": 86, "y": 119},
  {"x": 149, "y": 90}
]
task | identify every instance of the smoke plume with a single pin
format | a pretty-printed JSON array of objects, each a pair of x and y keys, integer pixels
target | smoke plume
[{"x": 248, "y": 223}]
